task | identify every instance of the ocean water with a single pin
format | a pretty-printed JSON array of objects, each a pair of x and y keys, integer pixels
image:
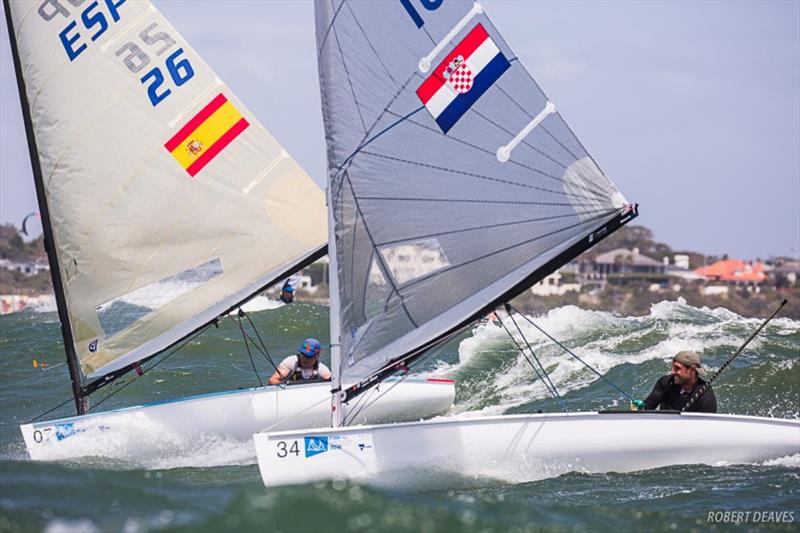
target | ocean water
[{"x": 215, "y": 486}]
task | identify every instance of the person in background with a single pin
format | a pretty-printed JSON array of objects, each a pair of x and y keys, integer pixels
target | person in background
[
  {"x": 304, "y": 366},
  {"x": 287, "y": 293},
  {"x": 673, "y": 391}
]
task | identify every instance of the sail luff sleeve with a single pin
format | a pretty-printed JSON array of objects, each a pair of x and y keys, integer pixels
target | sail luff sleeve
[{"x": 49, "y": 244}]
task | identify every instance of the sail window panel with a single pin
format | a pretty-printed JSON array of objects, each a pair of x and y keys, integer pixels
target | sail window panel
[
  {"x": 412, "y": 260},
  {"x": 120, "y": 313},
  {"x": 429, "y": 297},
  {"x": 377, "y": 291}
]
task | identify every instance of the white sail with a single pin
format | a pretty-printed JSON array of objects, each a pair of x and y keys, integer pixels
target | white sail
[
  {"x": 455, "y": 184},
  {"x": 168, "y": 201}
]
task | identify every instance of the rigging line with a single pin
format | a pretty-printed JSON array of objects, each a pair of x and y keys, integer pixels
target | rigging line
[
  {"x": 492, "y": 154},
  {"x": 381, "y": 261},
  {"x": 145, "y": 371},
  {"x": 247, "y": 337},
  {"x": 62, "y": 404},
  {"x": 489, "y": 178},
  {"x": 411, "y": 355},
  {"x": 249, "y": 354},
  {"x": 702, "y": 389},
  {"x": 349, "y": 81},
  {"x": 430, "y": 353},
  {"x": 356, "y": 408},
  {"x": 263, "y": 345},
  {"x": 544, "y": 372},
  {"x": 486, "y": 226},
  {"x": 297, "y": 413},
  {"x": 502, "y": 250},
  {"x": 536, "y": 370},
  {"x": 328, "y": 29},
  {"x": 470, "y": 201},
  {"x": 369, "y": 42},
  {"x": 587, "y": 365},
  {"x": 349, "y": 420}
]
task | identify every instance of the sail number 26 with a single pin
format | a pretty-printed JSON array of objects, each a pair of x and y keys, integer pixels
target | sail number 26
[
  {"x": 285, "y": 449},
  {"x": 157, "y": 42}
]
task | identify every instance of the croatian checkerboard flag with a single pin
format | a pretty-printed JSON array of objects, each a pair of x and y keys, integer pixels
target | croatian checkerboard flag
[{"x": 464, "y": 75}]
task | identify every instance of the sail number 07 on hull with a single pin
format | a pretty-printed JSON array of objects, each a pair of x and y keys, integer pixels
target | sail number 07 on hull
[{"x": 90, "y": 23}]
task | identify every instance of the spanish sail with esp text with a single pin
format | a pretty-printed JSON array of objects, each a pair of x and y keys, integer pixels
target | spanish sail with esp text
[{"x": 165, "y": 202}]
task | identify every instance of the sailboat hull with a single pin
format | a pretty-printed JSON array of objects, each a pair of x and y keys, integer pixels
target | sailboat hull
[
  {"x": 172, "y": 426},
  {"x": 448, "y": 452}
]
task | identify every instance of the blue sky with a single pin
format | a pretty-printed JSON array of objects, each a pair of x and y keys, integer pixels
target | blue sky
[{"x": 692, "y": 108}]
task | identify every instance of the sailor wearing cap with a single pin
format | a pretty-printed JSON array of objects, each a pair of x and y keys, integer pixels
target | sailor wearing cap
[
  {"x": 674, "y": 390},
  {"x": 304, "y": 366}
]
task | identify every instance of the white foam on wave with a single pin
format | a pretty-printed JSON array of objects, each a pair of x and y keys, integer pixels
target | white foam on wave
[
  {"x": 147, "y": 444},
  {"x": 62, "y": 525},
  {"x": 790, "y": 461},
  {"x": 678, "y": 326}
]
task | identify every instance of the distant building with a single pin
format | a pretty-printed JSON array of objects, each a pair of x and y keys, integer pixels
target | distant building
[
  {"x": 553, "y": 285},
  {"x": 785, "y": 274},
  {"x": 620, "y": 266},
  {"x": 734, "y": 272},
  {"x": 29, "y": 268},
  {"x": 680, "y": 268},
  {"x": 624, "y": 261}
]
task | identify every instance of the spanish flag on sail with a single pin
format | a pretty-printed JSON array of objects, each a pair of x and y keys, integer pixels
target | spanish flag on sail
[{"x": 206, "y": 134}]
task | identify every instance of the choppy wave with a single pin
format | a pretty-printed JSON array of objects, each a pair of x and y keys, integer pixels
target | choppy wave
[
  {"x": 631, "y": 351},
  {"x": 491, "y": 373}
]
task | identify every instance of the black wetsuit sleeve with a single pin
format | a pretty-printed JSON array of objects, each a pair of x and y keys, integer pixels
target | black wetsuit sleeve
[{"x": 657, "y": 395}]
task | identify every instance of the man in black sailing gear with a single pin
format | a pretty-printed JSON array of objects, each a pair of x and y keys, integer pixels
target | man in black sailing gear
[
  {"x": 304, "y": 366},
  {"x": 673, "y": 391}
]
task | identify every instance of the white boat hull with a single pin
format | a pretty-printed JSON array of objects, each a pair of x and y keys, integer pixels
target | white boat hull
[
  {"x": 169, "y": 427},
  {"x": 519, "y": 448}
]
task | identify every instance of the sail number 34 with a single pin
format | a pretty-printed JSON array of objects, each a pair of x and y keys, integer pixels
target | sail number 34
[{"x": 284, "y": 449}]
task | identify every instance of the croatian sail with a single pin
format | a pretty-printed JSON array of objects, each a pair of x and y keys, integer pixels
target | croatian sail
[
  {"x": 455, "y": 184},
  {"x": 167, "y": 202}
]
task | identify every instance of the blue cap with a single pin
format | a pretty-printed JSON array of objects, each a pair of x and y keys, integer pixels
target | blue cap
[
  {"x": 310, "y": 348},
  {"x": 288, "y": 288}
]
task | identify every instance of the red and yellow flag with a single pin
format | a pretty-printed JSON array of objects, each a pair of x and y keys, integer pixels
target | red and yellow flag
[{"x": 206, "y": 134}]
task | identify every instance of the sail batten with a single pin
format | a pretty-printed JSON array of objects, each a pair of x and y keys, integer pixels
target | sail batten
[
  {"x": 429, "y": 226},
  {"x": 169, "y": 203}
]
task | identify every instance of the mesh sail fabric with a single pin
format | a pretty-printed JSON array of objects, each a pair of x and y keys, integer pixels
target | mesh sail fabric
[
  {"x": 169, "y": 201},
  {"x": 429, "y": 225}
]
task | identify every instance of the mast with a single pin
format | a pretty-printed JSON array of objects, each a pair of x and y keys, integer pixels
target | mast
[
  {"x": 78, "y": 392},
  {"x": 337, "y": 413}
]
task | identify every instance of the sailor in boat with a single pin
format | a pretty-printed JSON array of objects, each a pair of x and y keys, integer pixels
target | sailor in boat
[
  {"x": 305, "y": 366},
  {"x": 287, "y": 293},
  {"x": 673, "y": 391}
]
